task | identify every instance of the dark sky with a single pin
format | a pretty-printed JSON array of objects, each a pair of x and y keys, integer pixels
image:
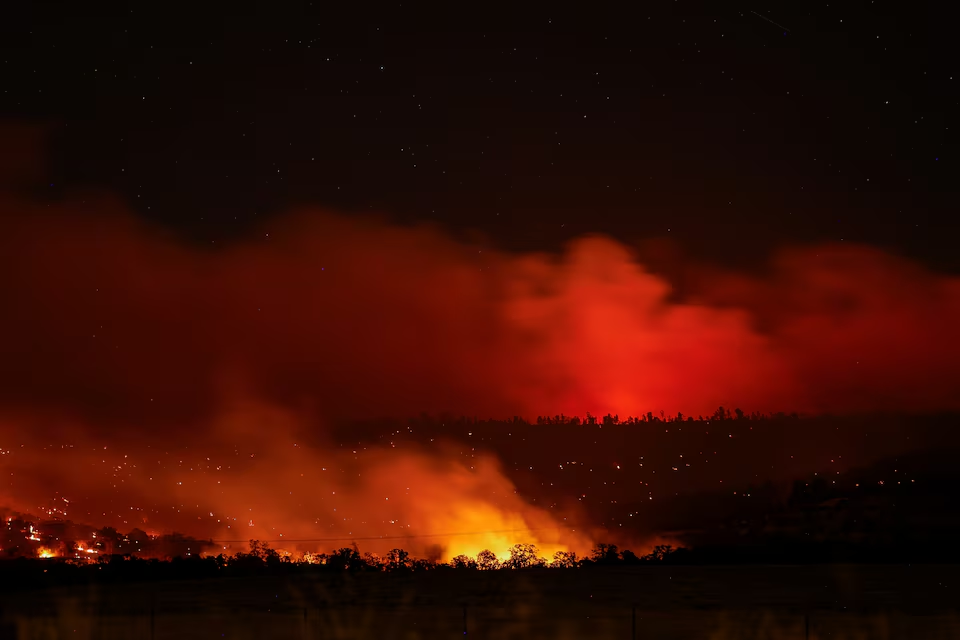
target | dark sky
[
  {"x": 820, "y": 139},
  {"x": 731, "y": 130}
]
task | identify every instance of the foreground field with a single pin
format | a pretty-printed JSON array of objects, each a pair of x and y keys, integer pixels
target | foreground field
[{"x": 663, "y": 602}]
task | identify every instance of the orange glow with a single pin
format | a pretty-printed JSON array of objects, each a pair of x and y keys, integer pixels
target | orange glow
[
  {"x": 132, "y": 345},
  {"x": 363, "y": 319},
  {"x": 386, "y": 498},
  {"x": 433, "y": 503},
  {"x": 44, "y": 552}
]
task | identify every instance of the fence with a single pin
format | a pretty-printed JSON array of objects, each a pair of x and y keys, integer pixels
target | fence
[{"x": 415, "y": 622}]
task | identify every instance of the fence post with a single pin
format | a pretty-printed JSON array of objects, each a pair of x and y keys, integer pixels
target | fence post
[
  {"x": 806, "y": 626},
  {"x": 633, "y": 623},
  {"x": 152, "y": 624},
  {"x": 464, "y": 619}
]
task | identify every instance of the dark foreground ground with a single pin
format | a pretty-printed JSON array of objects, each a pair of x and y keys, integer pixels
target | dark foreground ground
[{"x": 663, "y": 602}]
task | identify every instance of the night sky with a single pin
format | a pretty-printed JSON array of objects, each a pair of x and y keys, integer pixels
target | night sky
[
  {"x": 730, "y": 131},
  {"x": 226, "y": 235}
]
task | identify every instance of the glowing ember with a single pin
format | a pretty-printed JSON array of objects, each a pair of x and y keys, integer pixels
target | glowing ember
[{"x": 229, "y": 361}]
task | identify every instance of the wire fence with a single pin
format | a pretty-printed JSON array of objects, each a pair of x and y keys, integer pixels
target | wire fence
[{"x": 411, "y": 621}]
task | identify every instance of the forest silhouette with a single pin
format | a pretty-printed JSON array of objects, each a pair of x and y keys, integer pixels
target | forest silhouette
[{"x": 818, "y": 521}]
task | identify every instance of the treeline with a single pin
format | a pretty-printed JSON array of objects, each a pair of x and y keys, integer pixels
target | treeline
[
  {"x": 522, "y": 556},
  {"x": 22, "y": 535},
  {"x": 904, "y": 509},
  {"x": 721, "y": 413},
  {"x": 349, "y": 428},
  {"x": 614, "y": 419},
  {"x": 25, "y": 573}
]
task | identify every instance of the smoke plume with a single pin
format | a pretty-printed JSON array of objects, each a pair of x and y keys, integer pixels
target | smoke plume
[{"x": 124, "y": 346}]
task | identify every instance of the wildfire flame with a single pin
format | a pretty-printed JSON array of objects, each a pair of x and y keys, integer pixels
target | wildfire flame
[{"x": 332, "y": 317}]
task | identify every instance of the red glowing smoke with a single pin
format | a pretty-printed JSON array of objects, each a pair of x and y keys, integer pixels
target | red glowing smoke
[
  {"x": 114, "y": 333},
  {"x": 110, "y": 321}
]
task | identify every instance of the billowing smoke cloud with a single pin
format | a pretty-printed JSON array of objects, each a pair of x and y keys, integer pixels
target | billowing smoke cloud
[
  {"x": 256, "y": 472},
  {"x": 109, "y": 320},
  {"x": 115, "y": 334}
]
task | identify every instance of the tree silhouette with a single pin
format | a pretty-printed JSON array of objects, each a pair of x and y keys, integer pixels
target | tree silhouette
[
  {"x": 721, "y": 414},
  {"x": 423, "y": 564},
  {"x": 345, "y": 559},
  {"x": 605, "y": 554},
  {"x": 523, "y": 556},
  {"x": 373, "y": 561},
  {"x": 487, "y": 560},
  {"x": 565, "y": 560},
  {"x": 258, "y": 549},
  {"x": 398, "y": 560},
  {"x": 464, "y": 562},
  {"x": 661, "y": 552},
  {"x": 629, "y": 557}
]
